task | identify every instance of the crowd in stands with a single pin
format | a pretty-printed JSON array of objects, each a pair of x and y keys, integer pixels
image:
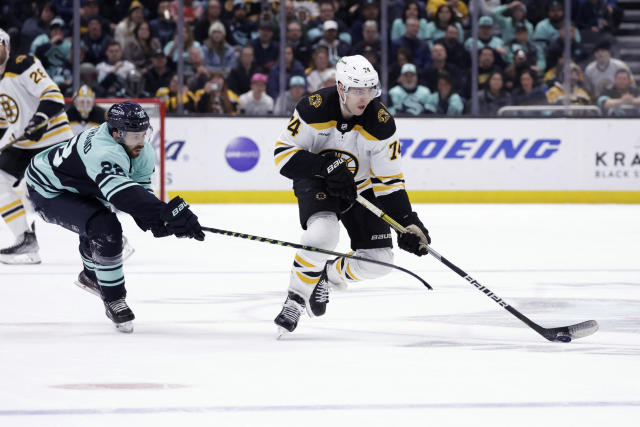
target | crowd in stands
[{"x": 231, "y": 52}]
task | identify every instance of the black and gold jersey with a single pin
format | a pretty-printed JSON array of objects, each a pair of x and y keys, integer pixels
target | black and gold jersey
[
  {"x": 24, "y": 84},
  {"x": 97, "y": 116},
  {"x": 368, "y": 143}
]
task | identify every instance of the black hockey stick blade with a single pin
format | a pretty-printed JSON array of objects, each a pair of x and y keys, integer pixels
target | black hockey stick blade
[
  {"x": 314, "y": 249},
  {"x": 569, "y": 333}
]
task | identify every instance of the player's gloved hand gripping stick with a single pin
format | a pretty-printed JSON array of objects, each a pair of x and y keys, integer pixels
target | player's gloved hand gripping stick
[{"x": 561, "y": 334}]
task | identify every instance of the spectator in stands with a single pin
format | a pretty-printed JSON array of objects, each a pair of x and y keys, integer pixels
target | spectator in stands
[
  {"x": 293, "y": 68},
  {"x": 370, "y": 43},
  {"x": 459, "y": 8},
  {"x": 169, "y": 95},
  {"x": 90, "y": 10},
  {"x": 256, "y": 101},
  {"x": 123, "y": 33},
  {"x": 217, "y": 53},
  {"x": 486, "y": 38},
  {"x": 403, "y": 56},
  {"x": 486, "y": 67},
  {"x": 548, "y": 29},
  {"x": 158, "y": 75},
  {"x": 444, "y": 101},
  {"x": 520, "y": 42},
  {"x": 112, "y": 73},
  {"x": 89, "y": 77},
  {"x": 517, "y": 12},
  {"x": 602, "y": 72},
  {"x": 594, "y": 16},
  {"x": 171, "y": 49},
  {"x": 577, "y": 95},
  {"x": 320, "y": 69},
  {"x": 329, "y": 81},
  {"x": 622, "y": 98},
  {"x": 556, "y": 48},
  {"x": 456, "y": 53},
  {"x": 196, "y": 73},
  {"x": 287, "y": 101},
  {"x": 493, "y": 96},
  {"x": 437, "y": 28},
  {"x": 527, "y": 91},
  {"x": 408, "y": 96},
  {"x": 439, "y": 65},
  {"x": 327, "y": 13},
  {"x": 36, "y": 25},
  {"x": 240, "y": 27},
  {"x": 411, "y": 10},
  {"x": 419, "y": 48},
  {"x": 53, "y": 49},
  {"x": 295, "y": 39},
  {"x": 369, "y": 11},
  {"x": 336, "y": 47},
  {"x": 212, "y": 14},
  {"x": 512, "y": 72},
  {"x": 163, "y": 26},
  {"x": 139, "y": 50},
  {"x": 215, "y": 97},
  {"x": 265, "y": 50},
  {"x": 239, "y": 80},
  {"x": 95, "y": 41}
]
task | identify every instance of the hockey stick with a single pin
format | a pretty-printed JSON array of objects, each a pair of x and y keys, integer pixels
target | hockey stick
[
  {"x": 561, "y": 334},
  {"x": 312, "y": 249}
]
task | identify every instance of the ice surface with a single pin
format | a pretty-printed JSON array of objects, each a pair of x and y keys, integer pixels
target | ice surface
[{"x": 387, "y": 353}]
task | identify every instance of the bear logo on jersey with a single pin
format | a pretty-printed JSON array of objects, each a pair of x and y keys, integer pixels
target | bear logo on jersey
[
  {"x": 10, "y": 108},
  {"x": 383, "y": 116},
  {"x": 321, "y": 196},
  {"x": 315, "y": 100},
  {"x": 352, "y": 161}
]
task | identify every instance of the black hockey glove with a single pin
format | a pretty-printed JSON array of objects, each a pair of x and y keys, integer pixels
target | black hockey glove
[
  {"x": 416, "y": 239},
  {"x": 179, "y": 220},
  {"x": 36, "y": 127},
  {"x": 339, "y": 179},
  {"x": 157, "y": 228}
]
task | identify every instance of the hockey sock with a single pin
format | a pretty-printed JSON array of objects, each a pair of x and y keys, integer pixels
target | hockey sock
[
  {"x": 351, "y": 270},
  {"x": 13, "y": 213},
  {"x": 105, "y": 242},
  {"x": 87, "y": 260}
]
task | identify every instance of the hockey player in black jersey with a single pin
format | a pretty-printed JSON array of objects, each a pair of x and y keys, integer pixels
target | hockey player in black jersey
[
  {"x": 340, "y": 142},
  {"x": 84, "y": 113}
]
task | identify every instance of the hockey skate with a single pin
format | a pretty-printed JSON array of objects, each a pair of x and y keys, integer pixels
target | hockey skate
[
  {"x": 24, "y": 250},
  {"x": 288, "y": 318},
  {"x": 88, "y": 284},
  {"x": 120, "y": 314},
  {"x": 320, "y": 296}
]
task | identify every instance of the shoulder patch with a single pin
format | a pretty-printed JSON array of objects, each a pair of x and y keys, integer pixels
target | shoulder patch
[
  {"x": 383, "y": 115},
  {"x": 20, "y": 64},
  {"x": 315, "y": 100}
]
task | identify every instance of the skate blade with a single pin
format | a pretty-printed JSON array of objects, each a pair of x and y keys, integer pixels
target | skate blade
[
  {"x": 22, "y": 259},
  {"x": 88, "y": 289},
  {"x": 125, "y": 327},
  {"x": 127, "y": 250},
  {"x": 282, "y": 332}
]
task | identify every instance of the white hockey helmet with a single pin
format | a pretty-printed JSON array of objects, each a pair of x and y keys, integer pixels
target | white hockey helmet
[
  {"x": 357, "y": 72},
  {"x": 5, "y": 39},
  {"x": 84, "y": 100}
]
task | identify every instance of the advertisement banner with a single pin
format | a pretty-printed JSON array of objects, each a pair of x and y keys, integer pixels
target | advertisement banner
[{"x": 501, "y": 160}]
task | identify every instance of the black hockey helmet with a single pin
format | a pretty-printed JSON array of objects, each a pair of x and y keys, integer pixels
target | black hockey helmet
[{"x": 127, "y": 116}]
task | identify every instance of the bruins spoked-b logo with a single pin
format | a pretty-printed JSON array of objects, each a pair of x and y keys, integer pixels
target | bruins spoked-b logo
[
  {"x": 315, "y": 100},
  {"x": 9, "y": 107},
  {"x": 383, "y": 115},
  {"x": 349, "y": 159}
]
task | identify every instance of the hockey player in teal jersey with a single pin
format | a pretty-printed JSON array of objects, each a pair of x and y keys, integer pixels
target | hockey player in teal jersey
[{"x": 73, "y": 184}]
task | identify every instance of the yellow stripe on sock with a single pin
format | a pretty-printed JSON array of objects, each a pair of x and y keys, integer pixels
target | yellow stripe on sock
[
  {"x": 353, "y": 276},
  {"x": 303, "y": 262},
  {"x": 10, "y": 205},
  {"x": 16, "y": 215},
  {"x": 308, "y": 280}
]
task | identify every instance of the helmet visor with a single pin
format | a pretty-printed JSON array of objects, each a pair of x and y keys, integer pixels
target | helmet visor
[{"x": 369, "y": 92}]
